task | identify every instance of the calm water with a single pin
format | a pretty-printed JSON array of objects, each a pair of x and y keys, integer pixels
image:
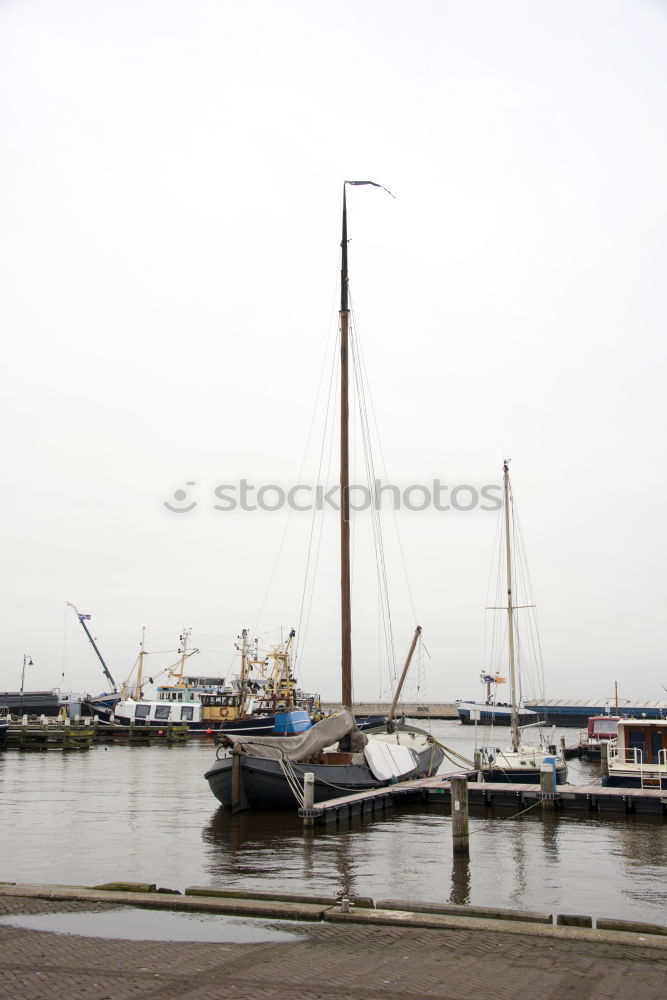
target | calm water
[{"x": 146, "y": 814}]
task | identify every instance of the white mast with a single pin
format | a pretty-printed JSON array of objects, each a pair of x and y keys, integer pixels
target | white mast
[
  {"x": 140, "y": 666},
  {"x": 510, "y": 609}
]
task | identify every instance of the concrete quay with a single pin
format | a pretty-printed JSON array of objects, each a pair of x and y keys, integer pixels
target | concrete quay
[
  {"x": 413, "y": 710},
  {"x": 373, "y": 952}
]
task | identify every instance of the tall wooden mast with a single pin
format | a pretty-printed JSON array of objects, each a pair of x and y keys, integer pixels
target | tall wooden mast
[{"x": 345, "y": 590}]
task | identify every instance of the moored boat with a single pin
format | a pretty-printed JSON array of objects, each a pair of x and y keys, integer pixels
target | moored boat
[
  {"x": 601, "y": 729},
  {"x": 637, "y": 758},
  {"x": 492, "y": 712},
  {"x": 265, "y": 772},
  {"x": 521, "y": 761}
]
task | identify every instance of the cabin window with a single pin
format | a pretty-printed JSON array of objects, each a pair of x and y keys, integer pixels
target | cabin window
[
  {"x": 180, "y": 696},
  {"x": 142, "y": 711},
  {"x": 637, "y": 741},
  {"x": 162, "y": 711},
  {"x": 656, "y": 746},
  {"x": 187, "y": 713}
]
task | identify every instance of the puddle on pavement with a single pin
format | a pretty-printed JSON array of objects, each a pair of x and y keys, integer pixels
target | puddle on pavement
[{"x": 153, "y": 925}]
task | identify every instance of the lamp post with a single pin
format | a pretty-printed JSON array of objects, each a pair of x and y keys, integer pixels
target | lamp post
[{"x": 27, "y": 662}]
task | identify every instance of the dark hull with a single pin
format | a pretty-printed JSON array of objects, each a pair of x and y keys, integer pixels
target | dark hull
[
  {"x": 202, "y": 728},
  {"x": 578, "y": 715},
  {"x": 32, "y": 703},
  {"x": 489, "y": 717},
  {"x": 259, "y": 726},
  {"x": 522, "y": 776},
  {"x": 264, "y": 785},
  {"x": 612, "y": 781}
]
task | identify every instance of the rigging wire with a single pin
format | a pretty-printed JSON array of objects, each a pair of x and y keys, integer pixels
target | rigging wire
[
  {"x": 303, "y": 462},
  {"x": 381, "y": 566},
  {"x": 310, "y": 576}
]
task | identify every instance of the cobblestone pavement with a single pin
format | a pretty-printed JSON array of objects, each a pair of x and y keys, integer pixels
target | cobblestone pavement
[{"x": 325, "y": 962}]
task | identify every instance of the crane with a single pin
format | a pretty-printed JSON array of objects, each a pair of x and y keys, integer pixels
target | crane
[{"x": 82, "y": 621}]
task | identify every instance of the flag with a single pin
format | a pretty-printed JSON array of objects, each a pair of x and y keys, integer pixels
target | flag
[
  {"x": 372, "y": 184},
  {"x": 84, "y": 618}
]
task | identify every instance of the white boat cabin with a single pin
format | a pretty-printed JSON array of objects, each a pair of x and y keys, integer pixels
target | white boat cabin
[{"x": 638, "y": 755}]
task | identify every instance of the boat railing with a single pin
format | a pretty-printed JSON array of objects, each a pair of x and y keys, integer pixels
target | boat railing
[{"x": 625, "y": 755}]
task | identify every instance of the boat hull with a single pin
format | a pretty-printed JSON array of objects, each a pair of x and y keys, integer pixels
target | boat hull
[
  {"x": 521, "y": 776},
  {"x": 258, "y": 726},
  {"x": 492, "y": 715},
  {"x": 649, "y": 781},
  {"x": 264, "y": 785}
]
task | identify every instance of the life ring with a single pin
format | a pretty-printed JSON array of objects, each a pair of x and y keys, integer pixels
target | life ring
[{"x": 223, "y": 713}]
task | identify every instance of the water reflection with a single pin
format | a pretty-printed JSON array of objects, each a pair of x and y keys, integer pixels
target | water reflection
[
  {"x": 147, "y": 815},
  {"x": 549, "y": 827},
  {"x": 460, "y": 879}
]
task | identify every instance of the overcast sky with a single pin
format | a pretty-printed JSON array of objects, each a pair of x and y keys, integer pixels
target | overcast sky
[{"x": 169, "y": 246}]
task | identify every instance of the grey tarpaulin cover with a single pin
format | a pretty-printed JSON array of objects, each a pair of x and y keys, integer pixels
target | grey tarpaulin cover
[{"x": 322, "y": 734}]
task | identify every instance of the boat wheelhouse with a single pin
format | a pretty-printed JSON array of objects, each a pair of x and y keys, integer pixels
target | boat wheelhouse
[
  {"x": 637, "y": 758},
  {"x": 601, "y": 729}
]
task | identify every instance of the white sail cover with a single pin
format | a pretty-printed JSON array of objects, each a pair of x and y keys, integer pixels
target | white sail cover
[
  {"x": 387, "y": 760},
  {"x": 322, "y": 734}
]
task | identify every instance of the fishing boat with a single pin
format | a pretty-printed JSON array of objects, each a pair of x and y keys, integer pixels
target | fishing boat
[
  {"x": 247, "y": 704},
  {"x": 522, "y": 760},
  {"x": 267, "y": 772},
  {"x": 270, "y": 702},
  {"x": 194, "y": 700},
  {"x": 637, "y": 758}
]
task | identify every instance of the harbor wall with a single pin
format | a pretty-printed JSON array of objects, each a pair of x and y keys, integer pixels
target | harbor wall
[{"x": 414, "y": 710}]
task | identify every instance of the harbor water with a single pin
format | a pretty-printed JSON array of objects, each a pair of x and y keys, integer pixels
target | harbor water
[{"x": 145, "y": 814}]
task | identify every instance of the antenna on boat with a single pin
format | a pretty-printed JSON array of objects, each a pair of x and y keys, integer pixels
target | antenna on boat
[{"x": 346, "y": 602}]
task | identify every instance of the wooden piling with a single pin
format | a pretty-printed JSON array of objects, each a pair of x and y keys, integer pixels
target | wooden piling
[
  {"x": 547, "y": 787},
  {"x": 238, "y": 798},
  {"x": 460, "y": 834},
  {"x": 308, "y": 797},
  {"x": 604, "y": 756}
]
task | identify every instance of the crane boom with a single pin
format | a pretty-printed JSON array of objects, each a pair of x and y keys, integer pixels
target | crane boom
[{"x": 82, "y": 621}]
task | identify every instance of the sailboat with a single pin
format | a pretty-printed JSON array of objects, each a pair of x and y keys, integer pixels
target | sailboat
[
  {"x": 269, "y": 770},
  {"x": 522, "y": 761}
]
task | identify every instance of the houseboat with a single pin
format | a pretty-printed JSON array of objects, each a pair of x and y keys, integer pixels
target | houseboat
[{"x": 637, "y": 758}]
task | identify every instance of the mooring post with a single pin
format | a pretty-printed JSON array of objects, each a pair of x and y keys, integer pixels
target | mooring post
[
  {"x": 477, "y": 760},
  {"x": 548, "y": 783},
  {"x": 604, "y": 756},
  {"x": 460, "y": 835},
  {"x": 308, "y": 798},
  {"x": 238, "y": 798}
]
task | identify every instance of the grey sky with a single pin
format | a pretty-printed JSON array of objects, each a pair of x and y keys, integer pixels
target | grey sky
[{"x": 172, "y": 180}]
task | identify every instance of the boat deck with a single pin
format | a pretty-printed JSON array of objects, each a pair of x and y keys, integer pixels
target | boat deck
[{"x": 593, "y": 798}]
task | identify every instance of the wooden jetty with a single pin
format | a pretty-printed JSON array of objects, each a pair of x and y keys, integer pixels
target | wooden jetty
[
  {"x": 81, "y": 734},
  {"x": 48, "y": 735},
  {"x": 437, "y": 789}
]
